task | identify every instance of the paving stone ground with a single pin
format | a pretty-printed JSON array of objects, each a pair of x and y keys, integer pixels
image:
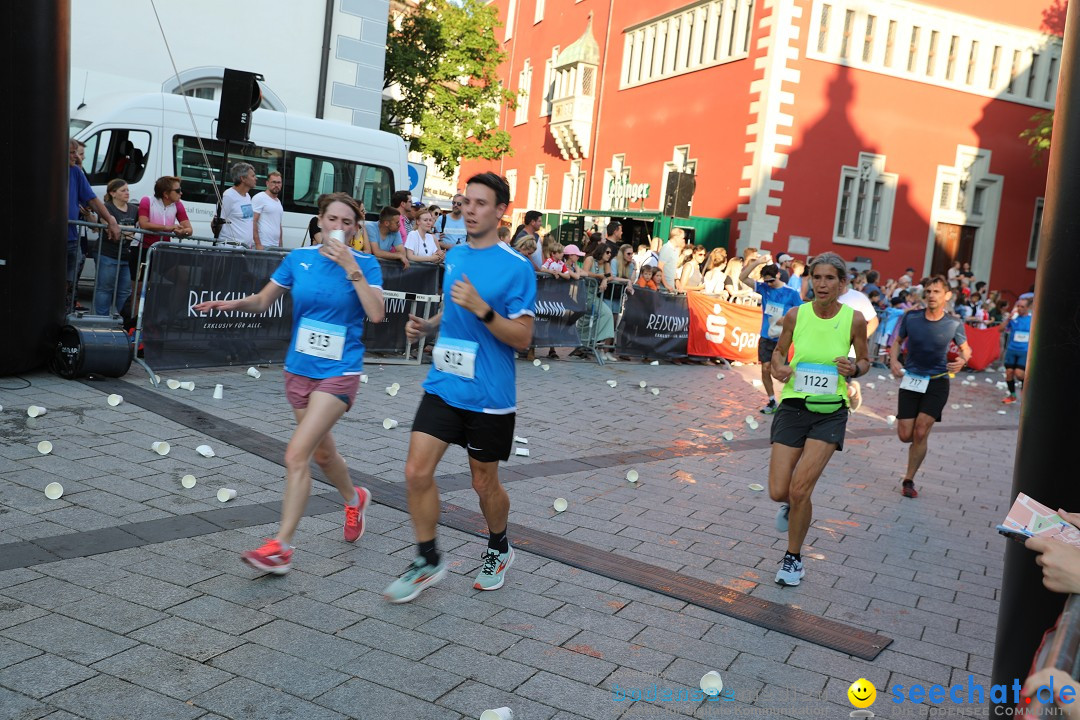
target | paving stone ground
[{"x": 182, "y": 629}]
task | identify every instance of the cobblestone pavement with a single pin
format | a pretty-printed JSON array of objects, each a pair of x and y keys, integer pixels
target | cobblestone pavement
[{"x": 174, "y": 626}]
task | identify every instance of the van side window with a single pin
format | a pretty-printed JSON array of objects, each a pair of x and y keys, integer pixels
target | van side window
[
  {"x": 198, "y": 180},
  {"x": 116, "y": 153},
  {"x": 374, "y": 186}
]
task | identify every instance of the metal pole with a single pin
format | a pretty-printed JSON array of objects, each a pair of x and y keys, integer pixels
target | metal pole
[{"x": 1047, "y": 421}]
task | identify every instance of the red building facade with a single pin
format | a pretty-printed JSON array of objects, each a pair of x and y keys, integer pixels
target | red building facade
[{"x": 884, "y": 130}]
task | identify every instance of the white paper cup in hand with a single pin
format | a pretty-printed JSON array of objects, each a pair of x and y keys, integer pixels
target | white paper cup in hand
[
  {"x": 225, "y": 494},
  {"x": 54, "y": 490},
  {"x": 560, "y": 504},
  {"x": 389, "y": 424},
  {"x": 632, "y": 475},
  {"x": 711, "y": 683},
  {"x": 173, "y": 384},
  {"x": 503, "y": 713},
  {"x": 254, "y": 372},
  {"x": 160, "y": 447},
  {"x": 44, "y": 447},
  {"x": 205, "y": 451},
  {"x": 36, "y": 411},
  {"x": 115, "y": 399},
  {"x": 219, "y": 391},
  {"x": 188, "y": 481},
  {"x": 338, "y": 235}
]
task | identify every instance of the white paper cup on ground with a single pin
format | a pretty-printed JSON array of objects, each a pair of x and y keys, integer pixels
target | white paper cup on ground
[
  {"x": 503, "y": 713},
  {"x": 729, "y": 436},
  {"x": 655, "y": 362},
  {"x": 756, "y": 487},
  {"x": 188, "y": 481},
  {"x": 756, "y": 383},
  {"x": 560, "y": 504},
  {"x": 160, "y": 447},
  {"x": 632, "y": 475},
  {"x": 115, "y": 399},
  {"x": 173, "y": 384},
  {"x": 954, "y": 406},
  {"x": 188, "y": 385},
  {"x": 880, "y": 377},
  {"x": 44, "y": 447},
  {"x": 54, "y": 490},
  {"x": 612, "y": 383},
  {"x": 537, "y": 362},
  {"x": 1001, "y": 412},
  {"x": 363, "y": 379},
  {"x": 36, "y": 411},
  {"x": 891, "y": 419},
  {"x": 219, "y": 391},
  {"x": 968, "y": 405},
  {"x": 523, "y": 452},
  {"x": 872, "y": 386},
  {"x": 655, "y": 390},
  {"x": 753, "y": 424},
  {"x": 719, "y": 376},
  {"x": 749, "y": 419},
  {"x": 254, "y": 372},
  {"x": 392, "y": 390},
  {"x": 970, "y": 378},
  {"x": 519, "y": 439},
  {"x": 643, "y": 384},
  {"x": 225, "y": 494},
  {"x": 545, "y": 367},
  {"x": 389, "y": 424},
  {"x": 205, "y": 451},
  {"x": 711, "y": 683}
]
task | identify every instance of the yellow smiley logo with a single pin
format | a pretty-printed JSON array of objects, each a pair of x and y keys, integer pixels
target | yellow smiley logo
[{"x": 862, "y": 693}]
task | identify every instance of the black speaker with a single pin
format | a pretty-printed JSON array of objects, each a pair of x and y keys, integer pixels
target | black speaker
[
  {"x": 240, "y": 96},
  {"x": 680, "y": 191}
]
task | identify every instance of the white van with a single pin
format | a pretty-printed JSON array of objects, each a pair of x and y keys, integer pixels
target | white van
[{"x": 142, "y": 137}]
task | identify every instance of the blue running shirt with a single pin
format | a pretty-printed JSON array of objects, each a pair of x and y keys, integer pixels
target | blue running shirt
[
  {"x": 1019, "y": 329},
  {"x": 775, "y": 302},
  {"x": 928, "y": 341},
  {"x": 506, "y": 282},
  {"x": 328, "y": 319}
]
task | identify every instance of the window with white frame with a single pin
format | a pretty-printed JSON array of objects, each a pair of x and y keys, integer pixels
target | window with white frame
[
  {"x": 549, "y": 82},
  {"x": 538, "y": 189},
  {"x": 511, "y": 180},
  {"x": 864, "y": 205},
  {"x": 524, "y": 85},
  {"x": 539, "y": 14},
  {"x": 1036, "y": 229},
  {"x": 511, "y": 11},
  {"x": 931, "y": 45},
  {"x": 618, "y": 172},
  {"x": 573, "y": 194},
  {"x": 699, "y": 35}
]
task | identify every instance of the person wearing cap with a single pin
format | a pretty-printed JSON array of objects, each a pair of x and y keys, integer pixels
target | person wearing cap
[
  {"x": 810, "y": 424},
  {"x": 776, "y": 299},
  {"x": 784, "y": 261}
]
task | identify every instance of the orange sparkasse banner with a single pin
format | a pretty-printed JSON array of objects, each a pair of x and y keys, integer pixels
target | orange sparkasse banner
[{"x": 723, "y": 329}]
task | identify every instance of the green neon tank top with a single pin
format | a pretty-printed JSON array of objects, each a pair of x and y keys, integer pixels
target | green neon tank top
[{"x": 820, "y": 342}]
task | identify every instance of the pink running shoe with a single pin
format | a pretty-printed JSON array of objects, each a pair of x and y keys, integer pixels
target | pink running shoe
[
  {"x": 271, "y": 558},
  {"x": 354, "y": 516}
]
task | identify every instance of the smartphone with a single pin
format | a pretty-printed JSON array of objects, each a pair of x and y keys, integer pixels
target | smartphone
[{"x": 1013, "y": 534}]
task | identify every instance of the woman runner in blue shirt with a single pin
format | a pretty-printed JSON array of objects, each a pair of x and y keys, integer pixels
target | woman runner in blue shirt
[{"x": 334, "y": 289}]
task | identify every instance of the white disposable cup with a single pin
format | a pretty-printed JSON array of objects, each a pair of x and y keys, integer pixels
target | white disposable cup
[
  {"x": 612, "y": 383},
  {"x": 729, "y": 435},
  {"x": 225, "y": 494},
  {"x": 719, "y": 376},
  {"x": 654, "y": 391},
  {"x": 205, "y": 451},
  {"x": 655, "y": 362},
  {"x": 391, "y": 391},
  {"x": 219, "y": 391},
  {"x": 115, "y": 399},
  {"x": 753, "y": 424},
  {"x": 395, "y": 386},
  {"x": 755, "y": 382},
  {"x": 44, "y": 447},
  {"x": 188, "y": 481},
  {"x": 891, "y": 419},
  {"x": 54, "y": 490},
  {"x": 389, "y": 424},
  {"x": 872, "y": 386},
  {"x": 749, "y": 419},
  {"x": 187, "y": 385},
  {"x": 711, "y": 683},
  {"x": 537, "y": 362},
  {"x": 560, "y": 504},
  {"x": 36, "y": 411},
  {"x": 519, "y": 439},
  {"x": 338, "y": 235},
  {"x": 173, "y": 384},
  {"x": 503, "y": 713},
  {"x": 970, "y": 378},
  {"x": 1001, "y": 412},
  {"x": 545, "y": 367},
  {"x": 160, "y": 447},
  {"x": 632, "y": 475},
  {"x": 643, "y": 384},
  {"x": 955, "y": 406},
  {"x": 363, "y": 379},
  {"x": 254, "y": 372},
  {"x": 756, "y": 487},
  {"x": 523, "y": 452}
]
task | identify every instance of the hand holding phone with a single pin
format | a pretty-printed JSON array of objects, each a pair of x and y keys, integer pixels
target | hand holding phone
[{"x": 1019, "y": 536}]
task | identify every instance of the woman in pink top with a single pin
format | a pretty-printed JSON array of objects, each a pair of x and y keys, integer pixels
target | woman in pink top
[{"x": 162, "y": 213}]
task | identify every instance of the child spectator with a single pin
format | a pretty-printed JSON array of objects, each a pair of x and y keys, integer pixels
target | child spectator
[
  {"x": 553, "y": 261},
  {"x": 504, "y": 233},
  {"x": 645, "y": 278}
]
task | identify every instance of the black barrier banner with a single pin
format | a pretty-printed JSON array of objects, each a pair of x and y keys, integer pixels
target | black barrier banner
[
  {"x": 399, "y": 286},
  {"x": 653, "y": 324},
  {"x": 176, "y": 336},
  {"x": 559, "y": 305}
]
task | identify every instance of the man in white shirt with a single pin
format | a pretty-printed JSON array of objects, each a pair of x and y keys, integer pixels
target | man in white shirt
[
  {"x": 669, "y": 257},
  {"x": 266, "y": 225},
  {"x": 236, "y": 209},
  {"x": 451, "y": 226}
]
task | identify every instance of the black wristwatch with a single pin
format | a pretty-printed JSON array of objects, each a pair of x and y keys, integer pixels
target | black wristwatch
[{"x": 488, "y": 316}]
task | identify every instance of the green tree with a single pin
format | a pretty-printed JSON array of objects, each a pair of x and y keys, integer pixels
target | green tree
[
  {"x": 441, "y": 64},
  {"x": 1038, "y": 137}
]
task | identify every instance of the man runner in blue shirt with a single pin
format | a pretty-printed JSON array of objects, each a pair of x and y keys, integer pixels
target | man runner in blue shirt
[
  {"x": 1016, "y": 350},
  {"x": 470, "y": 393},
  {"x": 924, "y": 385},
  {"x": 776, "y": 299}
]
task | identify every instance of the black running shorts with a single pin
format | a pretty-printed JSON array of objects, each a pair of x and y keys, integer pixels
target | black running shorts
[
  {"x": 793, "y": 425},
  {"x": 765, "y": 346},
  {"x": 931, "y": 402},
  {"x": 486, "y": 437}
]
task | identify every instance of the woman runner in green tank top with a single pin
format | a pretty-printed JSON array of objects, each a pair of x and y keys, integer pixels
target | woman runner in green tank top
[{"x": 810, "y": 424}]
